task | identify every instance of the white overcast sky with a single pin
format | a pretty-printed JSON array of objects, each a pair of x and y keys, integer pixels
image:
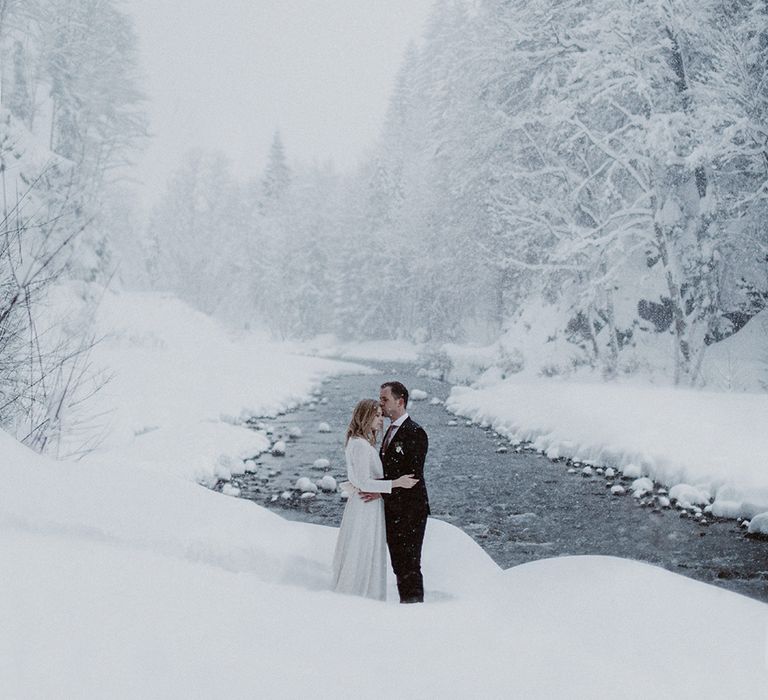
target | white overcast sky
[{"x": 224, "y": 74}]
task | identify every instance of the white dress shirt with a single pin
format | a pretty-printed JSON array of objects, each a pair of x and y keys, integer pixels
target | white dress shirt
[{"x": 395, "y": 425}]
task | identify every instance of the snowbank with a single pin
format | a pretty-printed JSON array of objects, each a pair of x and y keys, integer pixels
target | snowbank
[
  {"x": 715, "y": 442},
  {"x": 127, "y": 584},
  {"x": 180, "y": 386}
]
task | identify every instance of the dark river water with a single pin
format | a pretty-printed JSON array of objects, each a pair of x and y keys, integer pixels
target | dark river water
[{"x": 518, "y": 505}]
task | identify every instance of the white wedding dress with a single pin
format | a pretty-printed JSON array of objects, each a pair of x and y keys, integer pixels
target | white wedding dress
[{"x": 360, "y": 559}]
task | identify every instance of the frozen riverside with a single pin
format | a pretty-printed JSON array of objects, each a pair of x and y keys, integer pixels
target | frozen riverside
[{"x": 518, "y": 505}]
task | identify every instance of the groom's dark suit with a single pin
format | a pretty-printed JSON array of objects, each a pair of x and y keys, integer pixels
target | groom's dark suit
[{"x": 406, "y": 510}]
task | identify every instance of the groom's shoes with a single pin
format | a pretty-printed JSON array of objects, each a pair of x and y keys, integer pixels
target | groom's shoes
[{"x": 411, "y": 588}]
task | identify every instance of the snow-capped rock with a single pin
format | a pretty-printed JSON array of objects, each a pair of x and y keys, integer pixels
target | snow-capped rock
[
  {"x": 307, "y": 495},
  {"x": 610, "y": 473},
  {"x": 453, "y": 423},
  {"x": 250, "y": 465},
  {"x": 305, "y": 484},
  {"x": 278, "y": 449},
  {"x": 321, "y": 464},
  {"x": 725, "y": 509},
  {"x": 632, "y": 471},
  {"x": 664, "y": 502},
  {"x": 434, "y": 401},
  {"x": 222, "y": 469},
  {"x": 323, "y": 428},
  {"x": 642, "y": 486},
  {"x": 502, "y": 449},
  {"x": 418, "y": 394},
  {"x": 285, "y": 495},
  {"x": 759, "y": 524},
  {"x": 587, "y": 471},
  {"x": 327, "y": 483},
  {"x": 294, "y": 432},
  {"x": 618, "y": 490},
  {"x": 230, "y": 490},
  {"x": 238, "y": 467},
  {"x": 571, "y": 470},
  {"x": 685, "y": 493}
]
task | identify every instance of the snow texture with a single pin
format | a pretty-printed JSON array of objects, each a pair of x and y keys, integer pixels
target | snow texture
[{"x": 78, "y": 602}]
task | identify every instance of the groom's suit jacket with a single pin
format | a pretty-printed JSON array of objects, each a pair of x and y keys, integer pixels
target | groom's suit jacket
[{"x": 405, "y": 454}]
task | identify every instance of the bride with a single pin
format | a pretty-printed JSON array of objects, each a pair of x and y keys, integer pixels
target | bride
[{"x": 360, "y": 559}]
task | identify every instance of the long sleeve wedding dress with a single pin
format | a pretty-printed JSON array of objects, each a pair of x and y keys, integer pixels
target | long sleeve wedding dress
[{"x": 360, "y": 559}]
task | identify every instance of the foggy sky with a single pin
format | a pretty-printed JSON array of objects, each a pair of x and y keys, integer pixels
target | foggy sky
[{"x": 224, "y": 74}]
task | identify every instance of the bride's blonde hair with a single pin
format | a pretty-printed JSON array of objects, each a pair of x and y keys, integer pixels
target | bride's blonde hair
[{"x": 361, "y": 424}]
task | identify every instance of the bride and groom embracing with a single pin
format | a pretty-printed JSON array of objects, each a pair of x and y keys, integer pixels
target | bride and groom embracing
[{"x": 387, "y": 503}]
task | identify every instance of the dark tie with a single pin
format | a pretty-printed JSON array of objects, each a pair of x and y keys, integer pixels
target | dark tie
[{"x": 387, "y": 437}]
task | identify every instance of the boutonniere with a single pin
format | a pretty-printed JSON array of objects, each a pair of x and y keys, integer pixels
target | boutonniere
[{"x": 399, "y": 448}]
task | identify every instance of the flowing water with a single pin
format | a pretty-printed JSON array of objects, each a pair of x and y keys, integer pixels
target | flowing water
[{"x": 518, "y": 505}]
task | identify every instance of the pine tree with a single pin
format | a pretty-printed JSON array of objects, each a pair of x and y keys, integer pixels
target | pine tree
[
  {"x": 20, "y": 101},
  {"x": 277, "y": 175}
]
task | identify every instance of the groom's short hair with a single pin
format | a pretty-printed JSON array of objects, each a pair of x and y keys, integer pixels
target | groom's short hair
[{"x": 398, "y": 391}]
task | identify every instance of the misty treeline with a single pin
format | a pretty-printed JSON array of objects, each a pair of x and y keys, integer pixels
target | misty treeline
[
  {"x": 70, "y": 115},
  {"x": 596, "y": 172}
]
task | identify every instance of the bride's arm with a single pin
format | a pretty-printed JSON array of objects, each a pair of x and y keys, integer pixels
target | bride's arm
[{"x": 359, "y": 469}]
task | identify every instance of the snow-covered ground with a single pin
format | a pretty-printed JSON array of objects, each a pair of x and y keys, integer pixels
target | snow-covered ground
[
  {"x": 180, "y": 385},
  {"x": 124, "y": 583},
  {"x": 121, "y": 576}
]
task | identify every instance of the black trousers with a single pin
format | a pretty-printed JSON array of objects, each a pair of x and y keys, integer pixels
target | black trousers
[{"x": 405, "y": 536}]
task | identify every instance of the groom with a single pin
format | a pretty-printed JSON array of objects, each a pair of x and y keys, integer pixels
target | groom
[{"x": 403, "y": 451}]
